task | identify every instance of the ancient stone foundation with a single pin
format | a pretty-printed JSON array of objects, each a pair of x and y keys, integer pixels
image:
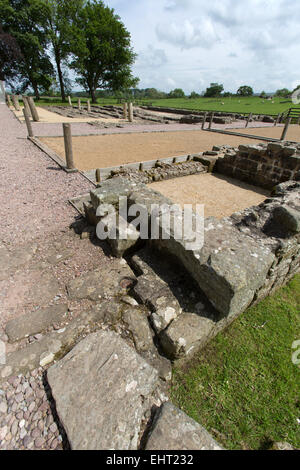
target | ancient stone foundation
[
  {"x": 262, "y": 165},
  {"x": 244, "y": 257}
]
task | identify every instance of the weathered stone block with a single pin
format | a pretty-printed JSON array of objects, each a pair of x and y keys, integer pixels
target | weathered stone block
[
  {"x": 185, "y": 335},
  {"x": 98, "y": 283},
  {"x": 102, "y": 390},
  {"x": 110, "y": 190},
  {"x": 136, "y": 321},
  {"x": 229, "y": 268},
  {"x": 288, "y": 217},
  {"x": 172, "y": 429}
]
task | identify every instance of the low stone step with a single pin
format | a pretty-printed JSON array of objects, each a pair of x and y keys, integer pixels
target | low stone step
[
  {"x": 56, "y": 344},
  {"x": 35, "y": 322},
  {"x": 102, "y": 390}
]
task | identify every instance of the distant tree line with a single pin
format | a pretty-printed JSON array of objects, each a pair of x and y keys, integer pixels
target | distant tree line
[{"x": 80, "y": 35}]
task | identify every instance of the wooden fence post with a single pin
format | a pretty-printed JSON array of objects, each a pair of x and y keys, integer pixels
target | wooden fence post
[
  {"x": 286, "y": 127},
  {"x": 70, "y": 101},
  {"x": 26, "y": 105},
  {"x": 248, "y": 120},
  {"x": 125, "y": 111},
  {"x": 16, "y": 102},
  {"x": 33, "y": 109},
  {"x": 130, "y": 112},
  {"x": 204, "y": 120},
  {"x": 98, "y": 176},
  {"x": 68, "y": 146},
  {"x": 9, "y": 103},
  {"x": 89, "y": 106},
  {"x": 79, "y": 103},
  {"x": 277, "y": 120},
  {"x": 211, "y": 120},
  {"x": 28, "y": 122}
]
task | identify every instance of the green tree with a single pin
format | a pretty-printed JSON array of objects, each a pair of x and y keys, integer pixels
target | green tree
[
  {"x": 25, "y": 21},
  {"x": 101, "y": 52},
  {"x": 214, "y": 90},
  {"x": 283, "y": 92},
  {"x": 194, "y": 95},
  {"x": 177, "y": 93},
  {"x": 60, "y": 15},
  {"x": 10, "y": 56},
  {"x": 245, "y": 90}
]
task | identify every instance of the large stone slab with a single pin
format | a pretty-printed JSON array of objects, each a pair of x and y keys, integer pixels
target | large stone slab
[
  {"x": 100, "y": 283},
  {"x": 229, "y": 268},
  {"x": 35, "y": 322},
  {"x": 55, "y": 345},
  {"x": 174, "y": 430},
  {"x": 102, "y": 390}
]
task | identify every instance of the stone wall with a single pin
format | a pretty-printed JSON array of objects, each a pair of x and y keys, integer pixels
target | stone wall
[{"x": 262, "y": 165}]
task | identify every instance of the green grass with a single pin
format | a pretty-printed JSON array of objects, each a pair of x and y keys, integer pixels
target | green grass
[
  {"x": 244, "y": 388},
  {"x": 235, "y": 104}
]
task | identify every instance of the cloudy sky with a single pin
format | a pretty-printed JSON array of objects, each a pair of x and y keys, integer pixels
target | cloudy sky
[{"x": 191, "y": 43}]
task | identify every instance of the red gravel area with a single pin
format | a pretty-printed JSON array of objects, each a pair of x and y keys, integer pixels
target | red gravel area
[{"x": 34, "y": 190}]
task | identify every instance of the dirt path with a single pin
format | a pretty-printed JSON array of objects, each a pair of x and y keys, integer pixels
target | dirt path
[
  {"x": 221, "y": 196},
  {"x": 34, "y": 191},
  {"x": 50, "y": 117},
  {"x": 39, "y": 257},
  {"x": 104, "y": 151},
  {"x": 275, "y": 132}
]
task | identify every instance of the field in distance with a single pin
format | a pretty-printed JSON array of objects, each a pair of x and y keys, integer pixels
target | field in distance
[{"x": 235, "y": 104}]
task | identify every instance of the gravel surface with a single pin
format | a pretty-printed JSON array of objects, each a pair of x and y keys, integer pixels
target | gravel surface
[
  {"x": 34, "y": 191},
  {"x": 220, "y": 195},
  {"x": 52, "y": 130},
  {"x": 28, "y": 418},
  {"x": 36, "y": 246}
]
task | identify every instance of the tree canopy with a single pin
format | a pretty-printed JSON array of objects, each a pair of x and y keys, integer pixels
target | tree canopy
[
  {"x": 214, "y": 90},
  {"x": 101, "y": 54},
  {"x": 177, "y": 93},
  {"x": 24, "y": 20},
  {"x": 245, "y": 90}
]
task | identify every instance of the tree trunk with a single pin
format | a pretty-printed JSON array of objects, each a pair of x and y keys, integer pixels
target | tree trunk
[
  {"x": 93, "y": 95},
  {"x": 60, "y": 76},
  {"x": 36, "y": 90}
]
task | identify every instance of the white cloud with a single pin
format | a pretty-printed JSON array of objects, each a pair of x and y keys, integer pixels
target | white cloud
[
  {"x": 151, "y": 57},
  {"x": 195, "y": 42},
  {"x": 188, "y": 34}
]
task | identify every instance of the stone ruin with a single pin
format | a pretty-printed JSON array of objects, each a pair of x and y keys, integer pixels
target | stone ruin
[
  {"x": 112, "y": 364},
  {"x": 244, "y": 257}
]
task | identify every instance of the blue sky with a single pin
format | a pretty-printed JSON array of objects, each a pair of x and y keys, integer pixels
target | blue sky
[{"x": 191, "y": 43}]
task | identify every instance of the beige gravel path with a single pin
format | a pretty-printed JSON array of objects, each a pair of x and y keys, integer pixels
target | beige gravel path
[
  {"x": 102, "y": 151},
  {"x": 50, "y": 117},
  {"x": 221, "y": 195}
]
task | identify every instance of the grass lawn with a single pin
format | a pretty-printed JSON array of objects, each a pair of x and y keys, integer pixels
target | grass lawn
[
  {"x": 244, "y": 388},
  {"x": 251, "y": 104}
]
